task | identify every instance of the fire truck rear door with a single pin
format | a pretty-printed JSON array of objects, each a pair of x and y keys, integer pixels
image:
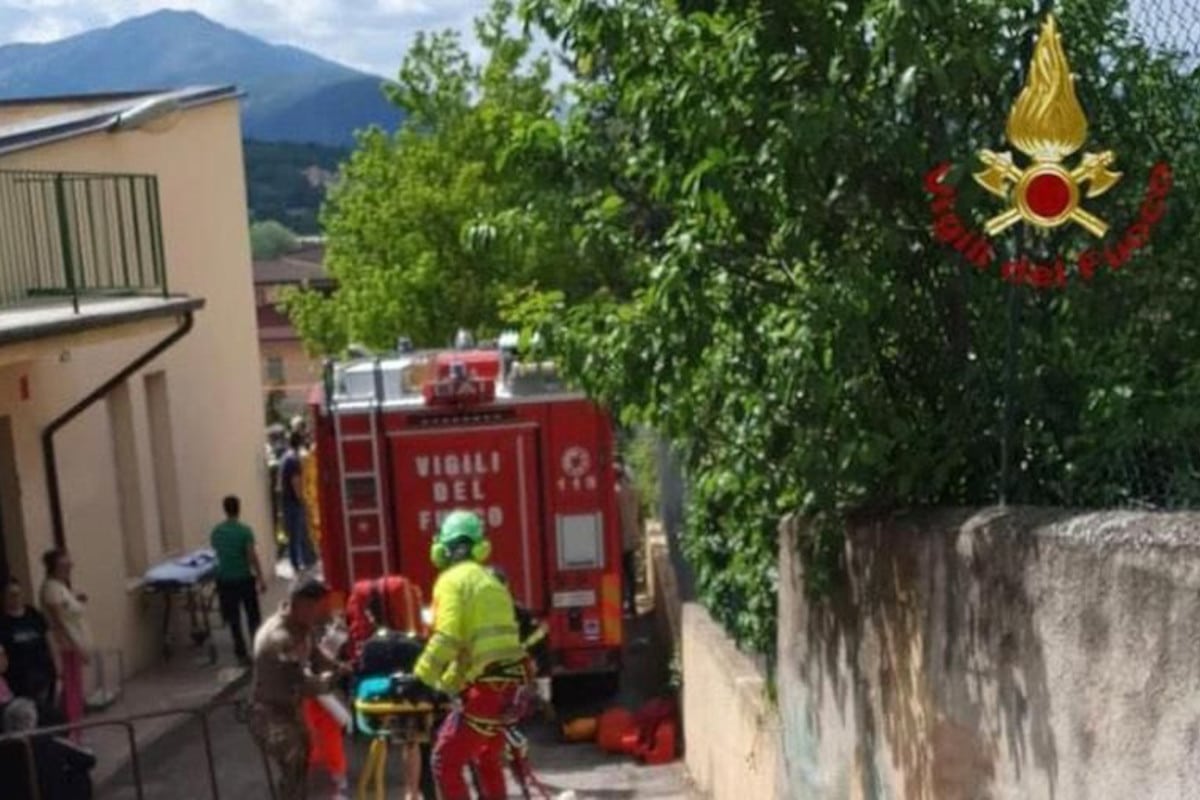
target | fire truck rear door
[{"x": 491, "y": 470}]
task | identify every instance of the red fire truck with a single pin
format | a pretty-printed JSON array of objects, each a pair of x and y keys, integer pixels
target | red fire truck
[{"x": 405, "y": 439}]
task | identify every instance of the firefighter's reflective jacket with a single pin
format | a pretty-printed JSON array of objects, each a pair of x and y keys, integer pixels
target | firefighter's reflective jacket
[
  {"x": 309, "y": 480},
  {"x": 474, "y": 630}
]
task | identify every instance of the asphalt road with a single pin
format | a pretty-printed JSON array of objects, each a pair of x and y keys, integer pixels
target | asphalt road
[{"x": 175, "y": 767}]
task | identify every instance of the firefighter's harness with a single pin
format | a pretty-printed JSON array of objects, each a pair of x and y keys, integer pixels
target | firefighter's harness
[{"x": 390, "y": 720}]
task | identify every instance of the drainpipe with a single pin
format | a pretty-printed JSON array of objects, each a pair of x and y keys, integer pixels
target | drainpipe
[{"x": 56, "y": 514}]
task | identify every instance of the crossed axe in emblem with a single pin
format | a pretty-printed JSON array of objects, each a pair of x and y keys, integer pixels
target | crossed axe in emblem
[{"x": 1002, "y": 175}]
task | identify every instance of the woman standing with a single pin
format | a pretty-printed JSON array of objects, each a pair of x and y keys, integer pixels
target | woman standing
[
  {"x": 68, "y": 630},
  {"x": 32, "y": 670}
]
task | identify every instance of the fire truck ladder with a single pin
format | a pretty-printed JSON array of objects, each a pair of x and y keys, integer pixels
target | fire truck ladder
[{"x": 349, "y": 481}]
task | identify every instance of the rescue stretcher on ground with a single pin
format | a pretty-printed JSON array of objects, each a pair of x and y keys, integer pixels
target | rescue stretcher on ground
[
  {"x": 192, "y": 576},
  {"x": 383, "y": 715}
]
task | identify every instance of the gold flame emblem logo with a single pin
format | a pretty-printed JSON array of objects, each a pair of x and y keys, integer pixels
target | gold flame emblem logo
[{"x": 1048, "y": 125}]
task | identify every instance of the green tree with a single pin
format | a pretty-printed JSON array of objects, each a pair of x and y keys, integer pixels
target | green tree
[
  {"x": 271, "y": 239},
  {"x": 758, "y": 166},
  {"x": 430, "y": 229}
]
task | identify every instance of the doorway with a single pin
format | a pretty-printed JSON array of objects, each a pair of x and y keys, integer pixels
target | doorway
[
  {"x": 10, "y": 518},
  {"x": 4, "y": 573}
]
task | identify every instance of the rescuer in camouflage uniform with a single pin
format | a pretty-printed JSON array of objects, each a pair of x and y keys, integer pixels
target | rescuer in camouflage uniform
[{"x": 284, "y": 658}]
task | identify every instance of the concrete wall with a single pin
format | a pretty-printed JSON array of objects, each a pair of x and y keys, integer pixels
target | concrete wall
[
  {"x": 997, "y": 654},
  {"x": 730, "y": 724},
  {"x": 211, "y": 381}
]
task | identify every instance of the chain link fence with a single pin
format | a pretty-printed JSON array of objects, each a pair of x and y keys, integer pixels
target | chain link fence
[
  {"x": 1144, "y": 468},
  {"x": 1168, "y": 25},
  {"x": 1146, "y": 477}
]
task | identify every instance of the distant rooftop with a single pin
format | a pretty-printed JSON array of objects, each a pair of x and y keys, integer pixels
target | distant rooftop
[
  {"x": 98, "y": 113},
  {"x": 305, "y": 265}
]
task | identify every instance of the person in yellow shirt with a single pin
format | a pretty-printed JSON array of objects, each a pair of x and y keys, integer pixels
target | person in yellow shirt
[
  {"x": 475, "y": 651},
  {"x": 310, "y": 495}
]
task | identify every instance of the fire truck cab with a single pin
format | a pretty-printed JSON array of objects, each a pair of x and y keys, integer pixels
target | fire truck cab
[{"x": 404, "y": 439}]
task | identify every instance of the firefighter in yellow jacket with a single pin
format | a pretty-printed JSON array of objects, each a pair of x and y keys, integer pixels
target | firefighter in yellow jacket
[
  {"x": 311, "y": 495},
  {"x": 475, "y": 651}
]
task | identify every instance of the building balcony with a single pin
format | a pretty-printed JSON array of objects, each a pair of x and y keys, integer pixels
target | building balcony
[{"x": 80, "y": 252}]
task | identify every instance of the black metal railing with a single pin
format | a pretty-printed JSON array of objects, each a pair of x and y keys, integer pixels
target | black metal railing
[
  {"x": 72, "y": 236},
  {"x": 202, "y": 783}
]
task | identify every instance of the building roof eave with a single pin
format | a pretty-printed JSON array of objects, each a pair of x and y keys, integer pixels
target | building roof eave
[
  {"x": 21, "y": 326},
  {"x": 67, "y": 125}
]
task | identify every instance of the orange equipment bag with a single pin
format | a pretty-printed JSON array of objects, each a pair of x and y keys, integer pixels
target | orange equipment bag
[
  {"x": 615, "y": 724},
  {"x": 327, "y": 747},
  {"x": 652, "y": 737}
]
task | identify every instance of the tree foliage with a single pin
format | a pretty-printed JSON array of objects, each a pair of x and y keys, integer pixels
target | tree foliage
[
  {"x": 793, "y": 327},
  {"x": 430, "y": 229},
  {"x": 271, "y": 239},
  {"x": 721, "y": 229}
]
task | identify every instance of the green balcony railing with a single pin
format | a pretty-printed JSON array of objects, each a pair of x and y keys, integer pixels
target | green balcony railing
[{"x": 73, "y": 236}]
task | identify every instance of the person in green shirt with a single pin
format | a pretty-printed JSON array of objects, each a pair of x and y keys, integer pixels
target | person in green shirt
[{"x": 239, "y": 576}]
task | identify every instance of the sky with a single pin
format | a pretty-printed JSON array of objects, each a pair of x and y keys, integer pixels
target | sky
[{"x": 370, "y": 35}]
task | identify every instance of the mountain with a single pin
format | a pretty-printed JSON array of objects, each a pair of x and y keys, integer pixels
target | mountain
[
  {"x": 286, "y": 182},
  {"x": 292, "y": 95}
]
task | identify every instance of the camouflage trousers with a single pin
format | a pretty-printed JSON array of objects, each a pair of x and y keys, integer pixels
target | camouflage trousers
[{"x": 284, "y": 738}]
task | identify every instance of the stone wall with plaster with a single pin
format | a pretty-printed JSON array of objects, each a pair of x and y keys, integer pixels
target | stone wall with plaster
[
  {"x": 730, "y": 722},
  {"x": 1018, "y": 653}
]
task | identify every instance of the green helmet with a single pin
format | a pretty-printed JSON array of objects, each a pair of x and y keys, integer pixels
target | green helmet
[
  {"x": 460, "y": 525},
  {"x": 458, "y": 528}
]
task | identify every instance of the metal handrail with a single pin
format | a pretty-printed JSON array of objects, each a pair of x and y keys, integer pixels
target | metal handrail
[
  {"x": 77, "y": 235},
  {"x": 127, "y": 724}
]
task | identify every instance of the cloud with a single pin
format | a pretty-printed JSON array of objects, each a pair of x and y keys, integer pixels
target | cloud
[
  {"x": 371, "y": 35},
  {"x": 45, "y": 29}
]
